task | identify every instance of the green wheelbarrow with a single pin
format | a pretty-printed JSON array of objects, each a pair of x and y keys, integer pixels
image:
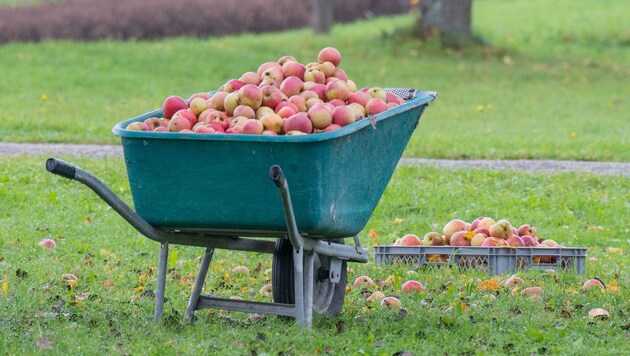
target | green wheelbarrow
[{"x": 221, "y": 196}]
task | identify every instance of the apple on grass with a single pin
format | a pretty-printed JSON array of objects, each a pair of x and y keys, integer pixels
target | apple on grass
[
  {"x": 412, "y": 286},
  {"x": 390, "y": 302},
  {"x": 363, "y": 280}
]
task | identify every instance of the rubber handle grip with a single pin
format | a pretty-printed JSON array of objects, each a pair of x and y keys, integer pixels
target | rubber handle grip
[
  {"x": 277, "y": 175},
  {"x": 61, "y": 168}
]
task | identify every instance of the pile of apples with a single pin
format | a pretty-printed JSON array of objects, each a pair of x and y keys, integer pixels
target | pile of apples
[
  {"x": 284, "y": 97},
  {"x": 483, "y": 231}
]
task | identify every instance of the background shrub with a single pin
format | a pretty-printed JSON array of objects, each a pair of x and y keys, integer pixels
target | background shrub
[{"x": 148, "y": 19}]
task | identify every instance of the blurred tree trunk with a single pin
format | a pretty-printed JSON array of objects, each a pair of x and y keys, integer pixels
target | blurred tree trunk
[
  {"x": 322, "y": 16},
  {"x": 448, "y": 19}
]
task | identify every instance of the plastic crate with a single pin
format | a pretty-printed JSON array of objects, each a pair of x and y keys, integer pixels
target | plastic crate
[{"x": 494, "y": 260}]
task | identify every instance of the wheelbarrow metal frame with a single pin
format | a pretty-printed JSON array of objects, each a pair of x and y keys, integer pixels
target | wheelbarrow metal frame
[{"x": 304, "y": 249}]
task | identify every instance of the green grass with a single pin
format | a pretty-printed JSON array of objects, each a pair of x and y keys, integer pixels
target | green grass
[
  {"x": 106, "y": 312},
  {"x": 552, "y": 87}
]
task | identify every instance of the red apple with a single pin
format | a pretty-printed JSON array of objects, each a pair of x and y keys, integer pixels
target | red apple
[
  {"x": 293, "y": 69},
  {"x": 433, "y": 239},
  {"x": 452, "y": 227},
  {"x": 376, "y": 296},
  {"x": 593, "y": 283},
  {"x": 320, "y": 116},
  {"x": 266, "y": 66},
  {"x": 359, "y": 97},
  {"x": 363, "y": 280},
  {"x": 493, "y": 242},
  {"x": 329, "y": 54},
  {"x": 299, "y": 102},
  {"x": 298, "y": 122},
  {"x": 412, "y": 286},
  {"x": 482, "y": 230},
  {"x": 230, "y": 103},
  {"x": 171, "y": 105},
  {"x": 410, "y": 240},
  {"x": 292, "y": 86},
  {"x": 271, "y": 96},
  {"x": 478, "y": 239},
  {"x": 485, "y": 223},
  {"x": 390, "y": 302},
  {"x": 332, "y": 127},
  {"x": 250, "y": 78},
  {"x": 529, "y": 241},
  {"x": 337, "y": 89},
  {"x": 375, "y": 106},
  {"x": 343, "y": 116},
  {"x": 47, "y": 243},
  {"x": 527, "y": 229},
  {"x": 461, "y": 238},
  {"x": 253, "y": 127},
  {"x": 179, "y": 123},
  {"x": 250, "y": 95},
  {"x": 315, "y": 75},
  {"x": 272, "y": 122},
  {"x": 515, "y": 241},
  {"x": 217, "y": 100},
  {"x": 138, "y": 126}
]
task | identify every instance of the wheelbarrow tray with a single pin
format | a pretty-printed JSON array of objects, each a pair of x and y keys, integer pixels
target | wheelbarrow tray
[{"x": 219, "y": 184}]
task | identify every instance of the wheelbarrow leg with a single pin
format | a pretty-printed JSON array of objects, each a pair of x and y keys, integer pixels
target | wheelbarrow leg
[
  {"x": 298, "y": 284},
  {"x": 308, "y": 287},
  {"x": 159, "y": 294},
  {"x": 201, "y": 278}
]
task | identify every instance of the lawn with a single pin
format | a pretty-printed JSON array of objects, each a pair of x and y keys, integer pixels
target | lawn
[
  {"x": 110, "y": 310},
  {"x": 550, "y": 87}
]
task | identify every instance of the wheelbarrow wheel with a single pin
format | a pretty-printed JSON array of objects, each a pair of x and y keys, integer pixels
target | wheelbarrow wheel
[{"x": 328, "y": 297}]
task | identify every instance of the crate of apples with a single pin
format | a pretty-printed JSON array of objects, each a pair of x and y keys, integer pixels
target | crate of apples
[{"x": 483, "y": 232}]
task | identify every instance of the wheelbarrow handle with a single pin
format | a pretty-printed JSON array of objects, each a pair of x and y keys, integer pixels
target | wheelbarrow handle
[
  {"x": 276, "y": 174},
  {"x": 61, "y": 168}
]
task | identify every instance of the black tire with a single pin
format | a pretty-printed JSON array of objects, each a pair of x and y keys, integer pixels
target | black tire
[{"x": 328, "y": 297}]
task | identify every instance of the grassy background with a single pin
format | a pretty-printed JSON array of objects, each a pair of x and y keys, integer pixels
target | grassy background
[
  {"x": 552, "y": 86},
  {"x": 555, "y": 82},
  {"x": 107, "y": 312}
]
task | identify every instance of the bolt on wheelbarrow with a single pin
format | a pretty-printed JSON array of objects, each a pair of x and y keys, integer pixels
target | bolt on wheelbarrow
[{"x": 221, "y": 196}]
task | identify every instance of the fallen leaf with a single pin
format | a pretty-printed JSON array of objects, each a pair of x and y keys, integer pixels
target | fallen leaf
[
  {"x": 44, "y": 343},
  {"x": 5, "y": 286}
]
